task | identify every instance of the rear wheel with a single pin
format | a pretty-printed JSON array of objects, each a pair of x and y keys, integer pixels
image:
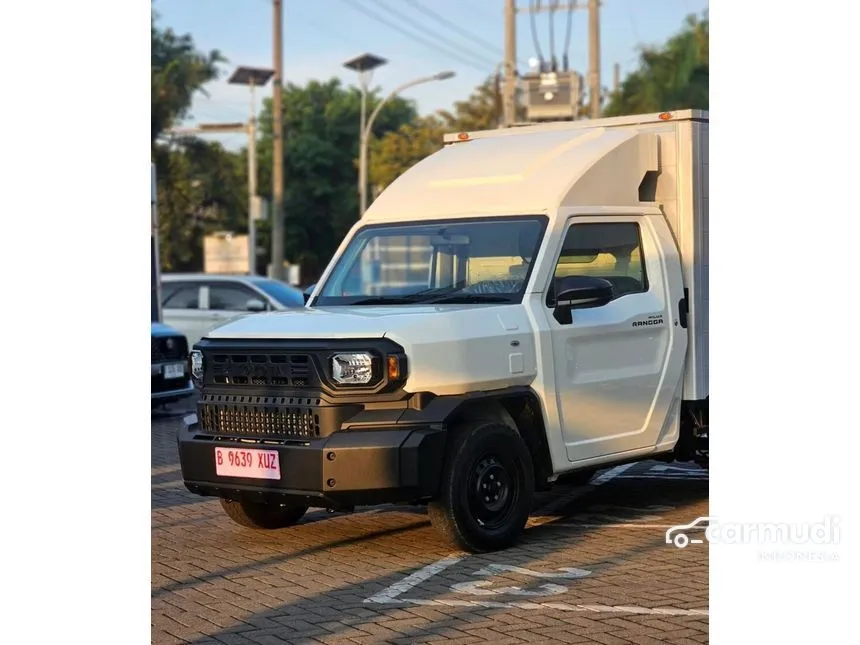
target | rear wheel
[
  {"x": 260, "y": 515},
  {"x": 486, "y": 489}
]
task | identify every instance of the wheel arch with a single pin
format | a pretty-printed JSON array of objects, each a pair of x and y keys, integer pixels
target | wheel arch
[{"x": 518, "y": 408}]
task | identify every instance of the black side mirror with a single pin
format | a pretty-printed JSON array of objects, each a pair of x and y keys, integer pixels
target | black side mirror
[
  {"x": 308, "y": 292},
  {"x": 579, "y": 292}
]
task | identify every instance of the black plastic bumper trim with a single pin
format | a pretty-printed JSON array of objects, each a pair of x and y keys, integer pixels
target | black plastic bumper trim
[{"x": 371, "y": 466}]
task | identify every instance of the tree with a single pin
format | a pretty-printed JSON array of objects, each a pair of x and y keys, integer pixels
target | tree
[
  {"x": 321, "y": 139},
  {"x": 178, "y": 71},
  {"x": 671, "y": 77},
  {"x": 201, "y": 189},
  {"x": 398, "y": 151},
  {"x": 401, "y": 149}
]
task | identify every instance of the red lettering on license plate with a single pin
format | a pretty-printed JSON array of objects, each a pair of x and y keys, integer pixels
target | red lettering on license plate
[{"x": 247, "y": 462}]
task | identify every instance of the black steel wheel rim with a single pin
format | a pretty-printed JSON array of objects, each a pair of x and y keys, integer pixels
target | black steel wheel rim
[{"x": 492, "y": 491}]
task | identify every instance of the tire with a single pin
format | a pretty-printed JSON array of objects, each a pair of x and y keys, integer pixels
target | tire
[
  {"x": 482, "y": 455},
  {"x": 258, "y": 515}
]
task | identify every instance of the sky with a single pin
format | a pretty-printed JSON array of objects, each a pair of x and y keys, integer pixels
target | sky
[{"x": 320, "y": 35}]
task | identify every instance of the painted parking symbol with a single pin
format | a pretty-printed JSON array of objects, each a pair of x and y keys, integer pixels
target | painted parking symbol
[{"x": 480, "y": 587}]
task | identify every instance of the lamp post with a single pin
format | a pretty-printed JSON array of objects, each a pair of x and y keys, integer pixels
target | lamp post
[
  {"x": 252, "y": 77},
  {"x": 367, "y": 129},
  {"x": 364, "y": 65}
]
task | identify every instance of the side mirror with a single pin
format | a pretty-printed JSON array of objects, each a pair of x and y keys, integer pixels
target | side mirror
[
  {"x": 255, "y": 305},
  {"x": 579, "y": 292},
  {"x": 308, "y": 292}
]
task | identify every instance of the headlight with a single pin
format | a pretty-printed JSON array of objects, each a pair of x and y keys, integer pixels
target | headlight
[
  {"x": 352, "y": 369},
  {"x": 196, "y": 361}
]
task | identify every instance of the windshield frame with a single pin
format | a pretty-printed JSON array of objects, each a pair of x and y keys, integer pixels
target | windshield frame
[{"x": 511, "y": 298}]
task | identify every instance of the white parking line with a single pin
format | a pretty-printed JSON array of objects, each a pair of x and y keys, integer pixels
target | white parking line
[
  {"x": 576, "y": 524},
  {"x": 560, "y": 606},
  {"x": 390, "y": 593}
]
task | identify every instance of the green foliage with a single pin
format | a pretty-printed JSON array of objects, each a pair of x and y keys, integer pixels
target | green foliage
[
  {"x": 671, "y": 77},
  {"x": 178, "y": 71},
  {"x": 201, "y": 189},
  {"x": 321, "y": 146},
  {"x": 398, "y": 151}
]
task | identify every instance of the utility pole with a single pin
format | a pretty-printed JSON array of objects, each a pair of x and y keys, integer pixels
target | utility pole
[
  {"x": 509, "y": 93},
  {"x": 594, "y": 56},
  {"x": 616, "y": 78},
  {"x": 278, "y": 148},
  {"x": 252, "y": 186}
]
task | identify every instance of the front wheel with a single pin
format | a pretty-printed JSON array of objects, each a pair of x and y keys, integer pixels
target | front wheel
[
  {"x": 259, "y": 515},
  {"x": 486, "y": 489}
]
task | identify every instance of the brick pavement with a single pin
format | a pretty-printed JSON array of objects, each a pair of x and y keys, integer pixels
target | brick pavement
[{"x": 592, "y": 568}]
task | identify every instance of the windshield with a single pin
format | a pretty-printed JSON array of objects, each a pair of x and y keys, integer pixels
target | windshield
[
  {"x": 281, "y": 292},
  {"x": 449, "y": 261}
]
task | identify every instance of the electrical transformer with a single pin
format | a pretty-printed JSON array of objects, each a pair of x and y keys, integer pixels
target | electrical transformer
[{"x": 553, "y": 96}]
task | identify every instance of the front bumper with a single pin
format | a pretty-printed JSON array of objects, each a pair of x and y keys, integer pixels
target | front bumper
[
  {"x": 343, "y": 470},
  {"x": 178, "y": 393}
]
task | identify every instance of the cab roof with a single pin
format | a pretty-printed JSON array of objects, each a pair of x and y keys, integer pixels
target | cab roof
[{"x": 529, "y": 170}]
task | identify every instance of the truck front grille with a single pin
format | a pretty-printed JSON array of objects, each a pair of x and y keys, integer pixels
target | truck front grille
[
  {"x": 274, "y": 417},
  {"x": 268, "y": 369},
  {"x": 169, "y": 348}
]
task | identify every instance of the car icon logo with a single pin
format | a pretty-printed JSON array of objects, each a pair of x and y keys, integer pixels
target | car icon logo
[{"x": 677, "y": 535}]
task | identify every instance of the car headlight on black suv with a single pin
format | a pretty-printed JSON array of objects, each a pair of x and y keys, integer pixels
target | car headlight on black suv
[{"x": 195, "y": 361}]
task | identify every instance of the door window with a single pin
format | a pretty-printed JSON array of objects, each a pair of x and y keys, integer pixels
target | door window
[
  {"x": 229, "y": 297},
  {"x": 612, "y": 251},
  {"x": 181, "y": 297}
]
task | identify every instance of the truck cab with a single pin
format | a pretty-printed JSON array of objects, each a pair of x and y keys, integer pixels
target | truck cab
[{"x": 522, "y": 307}]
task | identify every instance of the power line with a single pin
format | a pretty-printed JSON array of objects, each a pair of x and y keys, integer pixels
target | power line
[
  {"x": 552, "y": 6},
  {"x": 432, "y": 46},
  {"x": 534, "y": 30},
  {"x": 567, "y": 35},
  {"x": 455, "y": 46},
  {"x": 454, "y": 26}
]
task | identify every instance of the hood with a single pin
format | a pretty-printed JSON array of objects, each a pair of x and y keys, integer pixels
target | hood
[
  {"x": 346, "y": 322},
  {"x": 160, "y": 329},
  {"x": 451, "y": 349}
]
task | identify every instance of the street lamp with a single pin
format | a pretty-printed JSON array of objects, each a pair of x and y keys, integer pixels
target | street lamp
[
  {"x": 364, "y": 65},
  {"x": 252, "y": 77},
  {"x": 367, "y": 130}
]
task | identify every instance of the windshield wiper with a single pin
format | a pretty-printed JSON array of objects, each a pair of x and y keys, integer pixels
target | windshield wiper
[
  {"x": 467, "y": 298},
  {"x": 384, "y": 300}
]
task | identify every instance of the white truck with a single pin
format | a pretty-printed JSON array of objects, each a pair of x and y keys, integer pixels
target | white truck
[{"x": 523, "y": 307}]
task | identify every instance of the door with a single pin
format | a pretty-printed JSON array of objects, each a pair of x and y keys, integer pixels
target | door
[
  {"x": 182, "y": 309},
  {"x": 618, "y": 367},
  {"x": 227, "y": 300}
]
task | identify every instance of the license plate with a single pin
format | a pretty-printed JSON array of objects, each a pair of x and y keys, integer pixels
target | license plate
[
  {"x": 241, "y": 462},
  {"x": 174, "y": 370}
]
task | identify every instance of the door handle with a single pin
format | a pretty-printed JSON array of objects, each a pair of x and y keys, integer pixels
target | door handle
[{"x": 684, "y": 308}]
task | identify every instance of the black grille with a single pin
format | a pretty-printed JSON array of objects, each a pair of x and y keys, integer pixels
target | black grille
[
  {"x": 260, "y": 369},
  {"x": 275, "y": 417},
  {"x": 169, "y": 348}
]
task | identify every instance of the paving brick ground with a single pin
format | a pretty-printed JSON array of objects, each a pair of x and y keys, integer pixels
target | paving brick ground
[{"x": 593, "y": 567}]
